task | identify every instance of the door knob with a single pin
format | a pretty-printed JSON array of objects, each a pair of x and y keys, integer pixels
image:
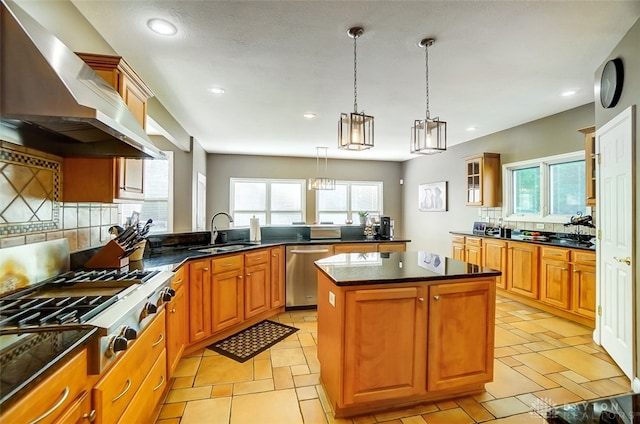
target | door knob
[{"x": 626, "y": 260}]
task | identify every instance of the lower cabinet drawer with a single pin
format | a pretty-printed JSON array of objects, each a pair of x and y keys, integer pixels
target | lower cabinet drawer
[
  {"x": 114, "y": 392},
  {"x": 79, "y": 411},
  {"x": 148, "y": 396}
]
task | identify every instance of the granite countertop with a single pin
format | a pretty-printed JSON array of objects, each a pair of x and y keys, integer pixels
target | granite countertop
[
  {"x": 557, "y": 242},
  {"x": 172, "y": 258},
  {"x": 397, "y": 267}
]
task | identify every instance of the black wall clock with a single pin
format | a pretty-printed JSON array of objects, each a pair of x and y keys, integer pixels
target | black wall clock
[{"x": 611, "y": 83}]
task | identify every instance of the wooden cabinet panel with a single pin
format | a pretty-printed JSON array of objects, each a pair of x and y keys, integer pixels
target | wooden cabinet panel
[
  {"x": 79, "y": 412},
  {"x": 54, "y": 397},
  {"x": 483, "y": 179},
  {"x": 522, "y": 269},
  {"x": 227, "y": 299},
  {"x": 131, "y": 179},
  {"x": 177, "y": 328},
  {"x": 461, "y": 334},
  {"x": 104, "y": 180},
  {"x": 257, "y": 289},
  {"x": 458, "y": 251},
  {"x": 227, "y": 263},
  {"x": 199, "y": 300},
  {"x": 148, "y": 396},
  {"x": 277, "y": 277},
  {"x": 590, "y": 163},
  {"x": 473, "y": 250},
  {"x": 583, "y": 281},
  {"x": 389, "y": 322},
  {"x": 355, "y": 248},
  {"x": 494, "y": 256},
  {"x": 555, "y": 286},
  {"x": 392, "y": 247}
]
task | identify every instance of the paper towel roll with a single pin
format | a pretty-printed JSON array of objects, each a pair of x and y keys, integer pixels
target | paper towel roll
[{"x": 254, "y": 229}]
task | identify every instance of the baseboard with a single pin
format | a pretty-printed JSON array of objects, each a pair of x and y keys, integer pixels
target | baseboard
[{"x": 635, "y": 385}]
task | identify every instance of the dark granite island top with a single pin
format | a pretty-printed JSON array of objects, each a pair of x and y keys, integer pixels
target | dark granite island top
[{"x": 397, "y": 267}]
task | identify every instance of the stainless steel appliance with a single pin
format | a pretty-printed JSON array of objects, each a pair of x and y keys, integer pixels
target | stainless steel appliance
[
  {"x": 120, "y": 304},
  {"x": 301, "y": 273},
  {"x": 385, "y": 228}
]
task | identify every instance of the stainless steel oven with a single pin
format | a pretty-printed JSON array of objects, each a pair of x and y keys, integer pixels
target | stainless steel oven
[{"x": 301, "y": 273}]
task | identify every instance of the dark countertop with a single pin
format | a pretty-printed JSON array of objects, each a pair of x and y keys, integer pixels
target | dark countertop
[
  {"x": 172, "y": 259},
  {"x": 557, "y": 242},
  {"x": 397, "y": 267}
]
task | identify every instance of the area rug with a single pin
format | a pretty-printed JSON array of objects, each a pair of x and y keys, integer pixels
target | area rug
[{"x": 248, "y": 343}]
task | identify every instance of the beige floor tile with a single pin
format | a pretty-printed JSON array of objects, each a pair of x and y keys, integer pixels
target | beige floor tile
[
  {"x": 404, "y": 412},
  {"x": 539, "y": 363},
  {"x": 209, "y": 352},
  {"x": 299, "y": 369},
  {"x": 279, "y": 406},
  {"x": 287, "y": 357},
  {"x": 311, "y": 354},
  {"x": 286, "y": 344},
  {"x": 450, "y": 416},
  {"x": 563, "y": 327},
  {"x": 222, "y": 390},
  {"x": 312, "y": 412},
  {"x": 538, "y": 346},
  {"x": 583, "y": 363},
  {"x": 282, "y": 378},
  {"x": 604, "y": 357},
  {"x": 587, "y": 349},
  {"x": 220, "y": 369},
  {"x": 194, "y": 393},
  {"x": 510, "y": 361},
  {"x": 576, "y": 378},
  {"x": 605, "y": 387},
  {"x": 252, "y": 387},
  {"x": 416, "y": 419},
  {"x": 504, "y": 351},
  {"x": 265, "y": 354},
  {"x": 505, "y": 407},
  {"x": 557, "y": 396},
  {"x": 446, "y": 404},
  {"x": 536, "y": 377},
  {"x": 529, "y": 418},
  {"x": 525, "y": 335},
  {"x": 172, "y": 410},
  {"x": 576, "y": 388},
  {"x": 306, "y": 339},
  {"x": 169, "y": 421},
  {"x": 474, "y": 409},
  {"x": 508, "y": 382},
  {"x": 198, "y": 353},
  {"x": 535, "y": 404},
  {"x": 206, "y": 411},
  {"x": 324, "y": 400},
  {"x": 262, "y": 369},
  {"x": 183, "y": 382},
  {"x": 522, "y": 349},
  {"x": 623, "y": 381},
  {"x": 506, "y": 338},
  {"x": 187, "y": 367},
  {"x": 363, "y": 420},
  {"x": 306, "y": 392},
  {"x": 483, "y": 397},
  {"x": 575, "y": 340},
  {"x": 306, "y": 380}
]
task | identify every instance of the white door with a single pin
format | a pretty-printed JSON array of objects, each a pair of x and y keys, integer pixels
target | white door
[{"x": 614, "y": 210}]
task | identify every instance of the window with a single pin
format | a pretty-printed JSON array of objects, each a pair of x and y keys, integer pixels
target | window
[
  {"x": 349, "y": 197},
  {"x": 157, "y": 205},
  {"x": 547, "y": 189},
  {"x": 274, "y": 202}
]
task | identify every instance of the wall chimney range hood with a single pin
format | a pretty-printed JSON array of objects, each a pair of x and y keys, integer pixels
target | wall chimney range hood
[{"x": 52, "y": 101}]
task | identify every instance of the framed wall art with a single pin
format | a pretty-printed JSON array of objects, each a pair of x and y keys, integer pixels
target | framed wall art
[{"x": 432, "y": 197}]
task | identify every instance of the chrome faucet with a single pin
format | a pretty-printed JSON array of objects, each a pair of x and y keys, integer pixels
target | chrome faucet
[{"x": 214, "y": 230}]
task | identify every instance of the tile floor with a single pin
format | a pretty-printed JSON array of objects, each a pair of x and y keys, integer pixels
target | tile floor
[{"x": 540, "y": 361}]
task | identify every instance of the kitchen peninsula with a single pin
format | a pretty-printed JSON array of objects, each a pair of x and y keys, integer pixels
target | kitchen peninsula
[{"x": 402, "y": 328}]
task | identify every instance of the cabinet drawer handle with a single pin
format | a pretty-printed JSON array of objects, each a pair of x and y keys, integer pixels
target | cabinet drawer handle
[
  {"x": 65, "y": 395},
  {"x": 178, "y": 281},
  {"x": 421, "y": 299},
  {"x": 91, "y": 416},
  {"x": 240, "y": 277},
  {"x": 173, "y": 311},
  {"x": 248, "y": 274},
  {"x": 126, "y": 389},
  {"x": 576, "y": 270},
  {"x": 626, "y": 260},
  {"x": 160, "y": 339},
  {"x": 436, "y": 297},
  {"x": 563, "y": 269},
  {"x": 161, "y": 383},
  {"x": 205, "y": 269}
]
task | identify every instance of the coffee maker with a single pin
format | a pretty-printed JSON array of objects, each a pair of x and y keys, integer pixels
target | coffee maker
[{"x": 386, "y": 228}]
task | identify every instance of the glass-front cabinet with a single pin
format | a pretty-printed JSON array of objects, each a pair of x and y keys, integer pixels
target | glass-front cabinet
[
  {"x": 590, "y": 162},
  {"x": 483, "y": 179}
]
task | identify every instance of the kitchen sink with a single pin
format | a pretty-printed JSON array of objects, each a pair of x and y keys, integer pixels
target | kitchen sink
[{"x": 221, "y": 248}]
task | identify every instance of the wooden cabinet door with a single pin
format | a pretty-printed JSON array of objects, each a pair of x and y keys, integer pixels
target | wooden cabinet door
[
  {"x": 130, "y": 179},
  {"x": 590, "y": 163},
  {"x": 277, "y": 277},
  {"x": 583, "y": 281},
  {"x": 355, "y": 248},
  {"x": 199, "y": 300},
  {"x": 257, "y": 289},
  {"x": 473, "y": 255},
  {"x": 148, "y": 396},
  {"x": 461, "y": 334},
  {"x": 177, "y": 326},
  {"x": 522, "y": 272},
  {"x": 495, "y": 257},
  {"x": 458, "y": 252},
  {"x": 482, "y": 174},
  {"x": 227, "y": 305},
  {"x": 554, "y": 283},
  {"x": 384, "y": 355}
]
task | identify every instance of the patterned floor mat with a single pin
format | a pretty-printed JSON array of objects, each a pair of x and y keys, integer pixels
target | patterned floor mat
[{"x": 248, "y": 343}]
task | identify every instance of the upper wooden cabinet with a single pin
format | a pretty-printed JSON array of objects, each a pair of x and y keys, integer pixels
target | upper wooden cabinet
[
  {"x": 104, "y": 180},
  {"x": 483, "y": 179},
  {"x": 115, "y": 71},
  {"x": 590, "y": 162}
]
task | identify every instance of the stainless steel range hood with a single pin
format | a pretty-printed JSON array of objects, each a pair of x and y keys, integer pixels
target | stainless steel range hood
[{"x": 52, "y": 101}]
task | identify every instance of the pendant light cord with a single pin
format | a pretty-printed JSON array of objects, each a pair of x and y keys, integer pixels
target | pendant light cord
[
  {"x": 426, "y": 62},
  {"x": 355, "y": 75}
]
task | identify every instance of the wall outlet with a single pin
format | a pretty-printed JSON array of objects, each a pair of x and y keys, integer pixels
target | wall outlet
[
  {"x": 332, "y": 298},
  {"x": 539, "y": 226}
]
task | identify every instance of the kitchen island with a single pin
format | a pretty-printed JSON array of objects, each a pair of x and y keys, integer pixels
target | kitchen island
[{"x": 403, "y": 328}]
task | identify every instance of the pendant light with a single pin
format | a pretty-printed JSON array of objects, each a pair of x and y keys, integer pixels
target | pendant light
[
  {"x": 321, "y": 183},
  {"x": 355, "y": 130},
  {"x": 428, "y": 136}
]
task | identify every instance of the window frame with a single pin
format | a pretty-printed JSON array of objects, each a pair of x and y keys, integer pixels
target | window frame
[
  {"x": 351, "y": 213},
  {"x": 543, "y": 163},
  {"x": 267, "y": 211}
]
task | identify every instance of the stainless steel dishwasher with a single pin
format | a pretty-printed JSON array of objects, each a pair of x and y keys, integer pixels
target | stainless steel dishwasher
[{"x": 301, "y": 273}]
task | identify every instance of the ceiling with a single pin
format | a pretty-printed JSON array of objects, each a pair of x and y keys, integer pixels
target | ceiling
[{"x": 494, "y": 65}]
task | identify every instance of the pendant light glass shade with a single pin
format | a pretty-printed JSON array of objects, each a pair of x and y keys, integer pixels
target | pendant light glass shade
[
  {"x": 429, "y": 135},
  {"x": 321, "y": 183},
  {"x": 355, "y": 130}
]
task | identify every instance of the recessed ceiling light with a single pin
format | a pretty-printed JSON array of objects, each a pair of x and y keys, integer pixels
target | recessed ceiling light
[
  {"x": 568, "y": 93},
  {"x": 217, "y": 90},
  {"x": 162, "y": 27},
  {"x": 309, "y": 115},
  {"x": 471, "y": 128}
]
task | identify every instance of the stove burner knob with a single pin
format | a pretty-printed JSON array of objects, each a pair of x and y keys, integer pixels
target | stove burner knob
[
  {"x": 116, "y": 344},
  {"x": 149, "y": 308},
  {"x": 129, "y": 333},
  {"x": 167, "y": 294}
]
